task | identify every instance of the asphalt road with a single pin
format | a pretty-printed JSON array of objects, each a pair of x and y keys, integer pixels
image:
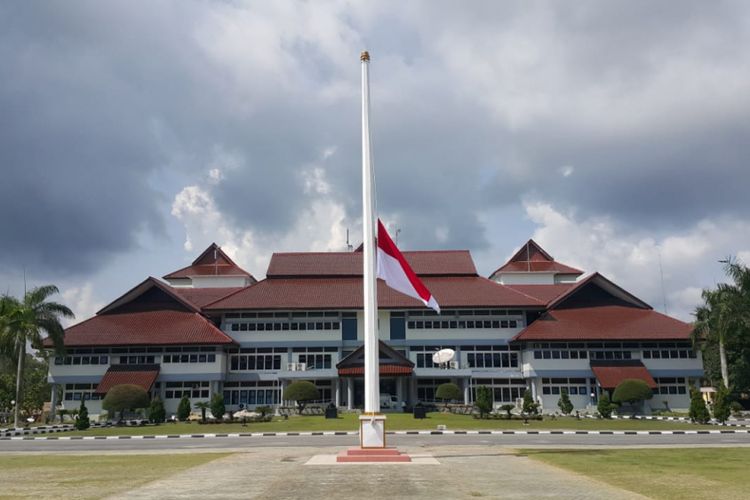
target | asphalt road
[{"x": 245, "y": 443}]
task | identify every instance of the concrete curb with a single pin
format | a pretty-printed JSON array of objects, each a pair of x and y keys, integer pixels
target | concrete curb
[{"x": 355, "y": 433}]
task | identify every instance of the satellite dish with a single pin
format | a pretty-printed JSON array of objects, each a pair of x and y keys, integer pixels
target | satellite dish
[{"x": 443, "y": 356}]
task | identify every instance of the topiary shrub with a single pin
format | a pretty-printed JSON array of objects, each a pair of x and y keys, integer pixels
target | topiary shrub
[
  {"x": 698, "y": 411},
  {"x": 564, "y": 403},
  {"x": 605, "y": 406},
  {"x": 529, "y": 406},
  {"x": 125, "y": 397},
  {"x": 301, "y": 392},
  {"x": 265, "y": 410},
  {"x": 448, "y": 392},
  {"x": 202, "y": 406},
  {"x": 736, "y": 408},
  {"x": 183, "y": 409},
  {"x": 483, "y": 401},
  {"x": 507, "y": 409},
  {"x": 632, "y": 391},
  {"x": 156, "y": 412},
  {"x": 722, "y": 407},
  {"x": 217, "y": 406},
  {"x": 83, "y": 422}
]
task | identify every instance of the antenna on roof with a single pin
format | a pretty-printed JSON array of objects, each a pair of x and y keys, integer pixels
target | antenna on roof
[{"x": 349, "y": 246}]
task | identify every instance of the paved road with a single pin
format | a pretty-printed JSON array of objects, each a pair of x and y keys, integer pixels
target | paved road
[{"x": 248, "y": 443}]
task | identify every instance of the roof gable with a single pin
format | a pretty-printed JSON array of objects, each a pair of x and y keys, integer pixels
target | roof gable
[
  {"x": 150, "y": 294},
  {"x": 531, "y": 251},
  {"x": 386, "y": 355},
  {"x": 213, "y": 255},
  {"x": 212, "y": 262},
  {"x": 532, "y": 258},
  {"x": 596, "y": 290}
]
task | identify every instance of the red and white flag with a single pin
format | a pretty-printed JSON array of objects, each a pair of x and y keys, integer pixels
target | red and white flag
[{"x": 397, "y": 273}]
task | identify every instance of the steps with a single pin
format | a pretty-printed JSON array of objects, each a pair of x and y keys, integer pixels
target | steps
[{"x": 372, "y": 455}]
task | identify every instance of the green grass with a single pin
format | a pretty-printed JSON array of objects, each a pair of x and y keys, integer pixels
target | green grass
[
  {"x": 88, "y": 476},
  {"x": 685, "y": 474},
  {"x": 395, "y": 421}
]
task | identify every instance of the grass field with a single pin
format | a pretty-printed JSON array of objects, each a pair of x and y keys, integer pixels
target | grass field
[
  {"x": 88, "y": 476},
  {"x": 685, "y": 474},
  {"x": 395, "y": 421}
]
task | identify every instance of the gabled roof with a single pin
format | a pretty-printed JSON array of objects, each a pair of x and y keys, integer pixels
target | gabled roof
[
  {"x": 599, "y": 281},
  {"x": 545, "y": 293},
  {"x": 346, "y": 293},
  {"x": 143, "y": 287},
  {"x": 386, "y": 356},
  {"x": 611, "y": 373},
  {"x": 330, "y": 264},
  {"x": 204, "y": 296},
  {"x": 212, "y": 262},
  {"x": 140, "y": 375},
  {"x": 531, "y": 258}
]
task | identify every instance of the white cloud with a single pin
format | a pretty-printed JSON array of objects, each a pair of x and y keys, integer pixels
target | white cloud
[{"x": 81, "y": 300}]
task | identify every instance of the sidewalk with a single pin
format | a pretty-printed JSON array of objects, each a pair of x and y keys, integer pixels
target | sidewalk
[{"x": 464, "y": 472}]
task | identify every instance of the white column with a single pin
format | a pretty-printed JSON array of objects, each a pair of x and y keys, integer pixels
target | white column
[
  {"x": 400, "y": 390},
  {"x": 337, "y": 389},
  {"x": 53, "y": 403},
  {"x": 349, "y": 393},
  {"x": 467, "y": 391}
]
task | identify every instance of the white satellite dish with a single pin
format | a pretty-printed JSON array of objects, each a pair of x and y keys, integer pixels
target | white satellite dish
[{"x": 443, "y": 356}]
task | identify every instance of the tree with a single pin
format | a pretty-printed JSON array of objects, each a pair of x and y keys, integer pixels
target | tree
[
  {"x": 183, "y": 409},
  {"x": 202, "y": 406},
  {"x": 529, "y": 406},
  {"x": 125, "y": 397},
  {"x": 26, "y": 321},
  {"x": 484, "y": 400},
  {"x": 632, "y": 391},
  {"x": 156, "y": 411},
  {"x": 217, "y": 406},
  {"x": 698, "y": 411},
  {"x": 82, "y": 422},
  {"x": 507, "y": 409},
  {"x": 604, "y": 406},
  {"x": 301, "y": 392},
  {"x": 722, "y": 404},
  {"x": 564, "y": 403},
  {"x": 448, "y": 392}
]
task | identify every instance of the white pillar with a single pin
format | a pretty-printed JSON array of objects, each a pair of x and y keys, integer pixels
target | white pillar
[
  {"x": 372, "y": 423},
  {"x": 350, "y": 393},
  {"x": 337, "y": 389},
  {"x": 400, "y": 390},
  {"x": 53, "y": 403},
  {"x": 467, "y": 391}
]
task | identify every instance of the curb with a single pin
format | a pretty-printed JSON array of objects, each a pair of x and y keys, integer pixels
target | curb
[{"x": 356, "y": 433}]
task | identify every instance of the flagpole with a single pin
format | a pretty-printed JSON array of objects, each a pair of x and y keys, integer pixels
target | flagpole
[{"x": 372, "y": 423}]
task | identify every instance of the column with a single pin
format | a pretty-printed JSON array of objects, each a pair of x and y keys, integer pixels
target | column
[
  {"x": 467, "y": 391},
  {"x": 413, "y": 390},
  {"x": 400, "y": 390},
  {"x": 532, "y": 381},
  {"x": 349, "y": 393},
  {"x": 337, "y": 389},
  {"x": 53, "y": 404}
]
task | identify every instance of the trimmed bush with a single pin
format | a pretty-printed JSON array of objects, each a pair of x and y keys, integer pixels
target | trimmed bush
[
  {"x": 736, "y": 408},
  {"x": 483, "y": 401},
  {"x": 632, "y": 391},
  {"x": 202, "y": 406},
  {"x": 266, "y": 410},
  {"x": 698, "y": 411},
  {"x": 217, "y": 406},
  {"x": 564, "y": 403},
  {"x": 507, "y": 409},
  {"x": 529, "y": 406},
  {"x": 449, "y": 392},
  {"x": 183, "y": 409},
  {"x": 301, "y": 392},
  {"x": 83, "y": 422},
  {"x": 156, "y": 412},
  {"x": 722, "y": 407},
  {"x": 605, "y": 406},
  {"x": 125, "y": 397}
]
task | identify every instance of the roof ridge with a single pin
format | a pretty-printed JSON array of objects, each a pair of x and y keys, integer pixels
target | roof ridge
[{"x": 233, "y": 293}]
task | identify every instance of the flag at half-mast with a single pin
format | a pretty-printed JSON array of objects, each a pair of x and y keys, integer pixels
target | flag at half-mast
[{"x": 397, "y": 273}]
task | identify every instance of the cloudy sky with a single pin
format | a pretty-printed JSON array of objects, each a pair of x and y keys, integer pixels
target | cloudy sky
[{"x": 133, "y": 134}]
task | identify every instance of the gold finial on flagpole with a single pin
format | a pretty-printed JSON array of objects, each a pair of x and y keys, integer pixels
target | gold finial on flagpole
[{"x": 364, "y": 56}]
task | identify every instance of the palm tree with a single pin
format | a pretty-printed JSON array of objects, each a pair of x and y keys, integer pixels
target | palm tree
[
  {"x": 202, "y": 406},
  {"x": 25, "y": 322}
]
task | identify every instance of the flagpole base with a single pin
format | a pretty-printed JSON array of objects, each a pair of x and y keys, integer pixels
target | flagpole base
[{"x": 372, "y": 431}]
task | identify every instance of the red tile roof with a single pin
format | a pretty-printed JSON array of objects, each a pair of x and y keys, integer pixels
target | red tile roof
[
  {"x": 346, "y": 293},
  {"x": 610, "y": 377},
  {"x": 203, "y": 296},
  {"x": 532, "y": 258},
  {"x": 545, "y": 293},
  {"x": 358, "y": 371},
  {"x": 613, "y": 322},
  {"x": 329, "y": 264},
  {"x": 213, "y": 261},
  {"x": 142, "y": 375},
  {"x": 160, "y": 327}
]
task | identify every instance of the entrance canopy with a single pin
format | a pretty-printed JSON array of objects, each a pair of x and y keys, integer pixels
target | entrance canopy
[
  {"x": 392, "y": 362},
  {"x": 611, "y": 373},
  {"x": 142, "y": 375}
]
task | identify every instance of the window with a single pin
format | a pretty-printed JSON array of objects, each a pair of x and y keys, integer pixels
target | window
[
  {"x": 555, "y": 386},
  {"x": 670, "y": 385},
  {"x": 245, "y": 362}
]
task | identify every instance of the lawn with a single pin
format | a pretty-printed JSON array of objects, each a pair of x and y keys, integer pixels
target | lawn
[
  {"x": 395, "y": 421},
  {"x": 685, "y": 474},
  {"x": 88, "y": 476}
]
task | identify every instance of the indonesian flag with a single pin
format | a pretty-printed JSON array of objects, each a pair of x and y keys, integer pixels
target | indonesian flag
[{"x": 397, "y": 273}]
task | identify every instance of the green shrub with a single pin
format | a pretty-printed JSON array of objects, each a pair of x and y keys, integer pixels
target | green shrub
[
  {"x": 301, "y": 392},
  {"x": 605, "y": 406},
  {"x": 448, "y": 392},
  {"x": 183, "y": 409},
  {"x": 483, "y": 401},
  {"x": 721, "y": 404},
  {"x": 202, "y": 406},
  {"x": 156, "y": 412},
  {"x": 564, "y": 403},
  {"x": 217, "y": 406},
  {"x": 736, "y": 408},
  {"x": 264, "y": 410},
  {"x": 507, "y": 409},
  {"x": 529, "y": 406},
  {"x": 698, "y": 411},
  {"x": 125, "y": 397},
  {"x": 632, "y": 391},
  {"x": 83, "y": 422}
]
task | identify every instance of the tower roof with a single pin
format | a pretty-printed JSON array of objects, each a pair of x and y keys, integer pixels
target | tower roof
[
  {"x": 532, "y": 258},
  {"x": 212, "y": 262}
]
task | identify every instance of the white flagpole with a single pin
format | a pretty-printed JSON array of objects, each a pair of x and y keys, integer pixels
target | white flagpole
[{"x": 372, "y": 430}]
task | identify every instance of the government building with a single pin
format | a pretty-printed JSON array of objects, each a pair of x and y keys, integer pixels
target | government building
[{"x": 533, "y": 323}]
